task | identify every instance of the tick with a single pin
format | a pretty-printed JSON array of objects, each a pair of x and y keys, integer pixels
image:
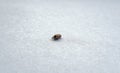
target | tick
[{"x": 57, "y": 37}]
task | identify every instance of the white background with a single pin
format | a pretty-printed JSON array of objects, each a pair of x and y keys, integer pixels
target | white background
[{"x": 90, "y": 36}]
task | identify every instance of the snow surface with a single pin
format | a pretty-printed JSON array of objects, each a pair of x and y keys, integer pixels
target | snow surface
[{"x": 90, "y": 42}]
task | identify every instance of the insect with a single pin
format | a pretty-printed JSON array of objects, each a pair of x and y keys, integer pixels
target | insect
[{"x": 56, "y": 37}]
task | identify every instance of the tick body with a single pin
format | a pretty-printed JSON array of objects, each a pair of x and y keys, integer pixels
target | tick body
[{"x": 56, "y": 37}]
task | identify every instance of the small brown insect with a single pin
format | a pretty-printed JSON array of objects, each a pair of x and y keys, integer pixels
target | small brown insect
[{"x": 56, "y": 37}]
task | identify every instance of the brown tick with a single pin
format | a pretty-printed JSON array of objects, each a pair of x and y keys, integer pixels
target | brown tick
[{"x": 56, "y": 37}]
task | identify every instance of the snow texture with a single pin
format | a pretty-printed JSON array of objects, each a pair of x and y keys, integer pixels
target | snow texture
[{"x": 90, "y": 36}]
